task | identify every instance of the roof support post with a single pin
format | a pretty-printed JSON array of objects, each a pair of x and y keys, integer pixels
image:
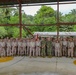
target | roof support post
[
  {"x": 20, "y": 19},
  {"x": 57, "y": 19}
]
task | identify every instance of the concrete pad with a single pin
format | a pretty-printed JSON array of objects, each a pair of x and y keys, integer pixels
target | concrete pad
[{"x": 38, "y": 66}]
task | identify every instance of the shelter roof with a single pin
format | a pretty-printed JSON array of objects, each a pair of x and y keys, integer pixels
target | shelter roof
[
  {"x": 13, "y": 2},
  {"x": 46, "y": 34}
]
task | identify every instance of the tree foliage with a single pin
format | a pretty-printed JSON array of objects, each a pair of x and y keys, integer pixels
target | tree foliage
[
  {"x": 45, "y": 15},
  {"x": 3, "y": 32}
]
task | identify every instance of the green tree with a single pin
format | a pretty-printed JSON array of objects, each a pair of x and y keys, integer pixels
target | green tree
[
  {"x": 3, "y": 32},
  {"x": 70, "y": 17},
  {"x": 45, "y": 15},
  {"x": 16, "y": 33}
]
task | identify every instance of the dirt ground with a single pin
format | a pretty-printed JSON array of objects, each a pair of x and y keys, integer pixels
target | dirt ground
[{"x": 38, "y": 66}]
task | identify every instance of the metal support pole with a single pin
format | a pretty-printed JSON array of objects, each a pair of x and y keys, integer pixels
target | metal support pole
[
  {"x": 20, "y": 19},
  {"x": 57, "y": 19}
]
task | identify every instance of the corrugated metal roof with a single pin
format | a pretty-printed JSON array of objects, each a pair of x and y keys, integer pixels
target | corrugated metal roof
[
  {"x": 46, "y": 34},
  {"x": 12, "y": 2}
]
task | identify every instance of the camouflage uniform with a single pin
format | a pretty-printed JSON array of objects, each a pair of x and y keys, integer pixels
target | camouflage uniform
[
  {"x": 49, "y": 47},
  {"x": 64, "y": 47},
  {"x": 43, "y": 47},
  {"x": 53, "y": 47},
  {"x": 60, "y": 40}
]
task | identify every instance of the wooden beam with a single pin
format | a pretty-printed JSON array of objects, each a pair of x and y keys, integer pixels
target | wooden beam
[
  {"x": 9, "y": 24},
  {"x": 39, "y": 24},
  {"x": 28, "y": 30},
  {"x": 67, "y": 23}
]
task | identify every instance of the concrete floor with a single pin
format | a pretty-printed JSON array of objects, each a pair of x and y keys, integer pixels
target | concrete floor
[{"x": 38, "y": 66}]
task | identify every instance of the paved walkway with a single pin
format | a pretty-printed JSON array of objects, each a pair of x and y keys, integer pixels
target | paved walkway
[{"x": 38, "y": 66}]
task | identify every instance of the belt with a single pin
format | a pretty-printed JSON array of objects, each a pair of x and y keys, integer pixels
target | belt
[
  {"x": 38, "y": 46},
  {"x": 69, "y": 47},
  {"x": 64, "y": 45},
  {"x": 3, "y": 47}
]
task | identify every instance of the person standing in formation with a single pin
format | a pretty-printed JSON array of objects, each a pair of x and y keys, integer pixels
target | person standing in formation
[
  {"x": 61, "y": 42},
  {"x": 14, "y": 45},
  {"x": 57, "y": 48},
  {"x": 22, "y": 51},
  {"x": 24, "y": 46},
  {"x": 70, "y": 47},
  {"x": 74, "y": 46},
  {"x": 28, "y": 46},
  {"x": 49, "y": 46},
  {"x": 0, "y": 48},
  {"x": 3, "y": 53},
  {"x": 5, "y": 40},
  {"x": 9, "y": 51},
  {"x": 43, "y": 47},
  {"x": 32, "y": 47},
  {"x": 38, "y": 45},
  {"x": 64, "y": 44},
  {"x": 53, "y": 47},
  {"x": 19, "y": 46}
]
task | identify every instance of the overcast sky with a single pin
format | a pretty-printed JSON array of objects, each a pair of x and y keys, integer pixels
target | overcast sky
[{"x": 31, "y": 10}]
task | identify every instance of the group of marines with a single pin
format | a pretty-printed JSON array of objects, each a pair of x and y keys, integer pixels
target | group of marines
[
  {"x": 63, "y": 46},
  {"x": 48, "y": 46}
]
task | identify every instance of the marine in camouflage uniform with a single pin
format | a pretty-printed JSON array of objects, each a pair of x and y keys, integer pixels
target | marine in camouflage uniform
[
  {"x": 53, "y": 46},
  {"x": 60, "y": 40},
  {"x": 49, "y": 46},
  {"x": 43, "y": 46},
  {"x": 64, "y": 48}
]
